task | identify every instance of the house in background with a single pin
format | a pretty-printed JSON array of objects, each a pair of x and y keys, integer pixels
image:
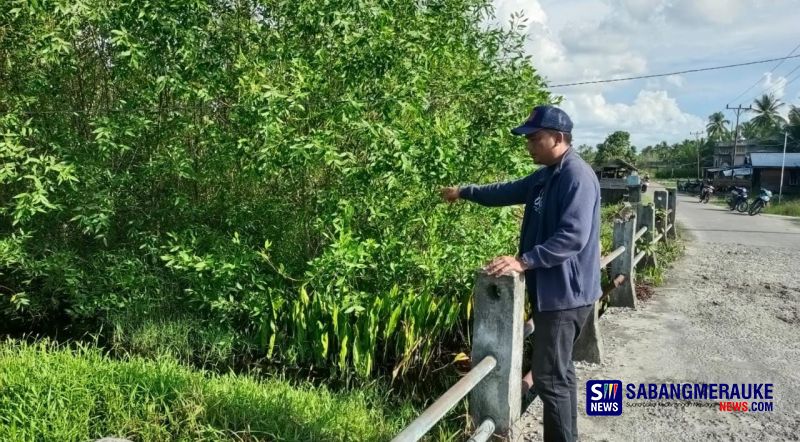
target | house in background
[
  {"x": 767, "y": 171},
  {"x": 725, "y": 156},
  {"x": 613, "y": 177},
  {"x": 615, "y": 169}
]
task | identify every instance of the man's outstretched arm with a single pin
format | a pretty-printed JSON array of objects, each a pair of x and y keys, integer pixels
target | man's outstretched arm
[{"x": 494, "y": 195}]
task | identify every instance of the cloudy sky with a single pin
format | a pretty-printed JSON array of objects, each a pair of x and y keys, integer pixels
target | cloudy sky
[{"x": 576, "y": 40}]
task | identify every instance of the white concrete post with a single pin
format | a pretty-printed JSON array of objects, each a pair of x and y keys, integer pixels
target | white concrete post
[
  {"x": 625, "y": 294},
  {"x": 672, "y": 203},
  {"x": 647, "y": 218},
  {"x": 497, "y": 331},
  {"x": 660, "y": 200}
]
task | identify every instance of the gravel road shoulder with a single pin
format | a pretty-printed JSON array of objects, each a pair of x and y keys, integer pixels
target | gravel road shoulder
[{"x": 729, "y": 314}]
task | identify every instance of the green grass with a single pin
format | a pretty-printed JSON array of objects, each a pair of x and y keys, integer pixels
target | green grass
[
  {"x": 50, "y": 392},
  {"x": 790, "y": 206},
  {"x": 666, "y": 254}
]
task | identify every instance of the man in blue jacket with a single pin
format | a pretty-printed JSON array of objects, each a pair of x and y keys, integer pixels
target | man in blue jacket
[{"x": 559, "y": 251}]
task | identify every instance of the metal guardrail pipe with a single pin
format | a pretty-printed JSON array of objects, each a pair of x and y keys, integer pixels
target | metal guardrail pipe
[
  {"x": 611, "y": 256},
  {"x": 438, "y": 409},
  {"x": 640, "y": 233},
  {"x": 483, "y": 432},
  {"x": 638, "y": 258},
  {"x": 669, "y": 227},
  {"x": 657, "y": 238}
]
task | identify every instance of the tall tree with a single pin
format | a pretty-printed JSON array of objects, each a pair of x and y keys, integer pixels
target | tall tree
[
  {"x": 751, "y": 131},
  {"x": 767, "y": 110},
  {"x": 717, "y": 127},
  {"x": 587, "y": 152},
  {"x": 616, "y": 146},
  {"x": 793, "y": 127}
]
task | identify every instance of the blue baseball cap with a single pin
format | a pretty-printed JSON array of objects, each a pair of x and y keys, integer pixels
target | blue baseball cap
[{"x": 544, "y": 117}]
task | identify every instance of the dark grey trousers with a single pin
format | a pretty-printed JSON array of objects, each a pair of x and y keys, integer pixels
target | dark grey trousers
[{"x": 554, "y": 335}]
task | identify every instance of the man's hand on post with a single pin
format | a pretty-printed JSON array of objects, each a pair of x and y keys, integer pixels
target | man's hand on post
[
  {"x": 450, "y": 194},
  {"x": 504, "y": 264}
]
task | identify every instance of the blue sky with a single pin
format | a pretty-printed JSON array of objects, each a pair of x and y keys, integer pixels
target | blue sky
[{"x": 575, "y": 40}]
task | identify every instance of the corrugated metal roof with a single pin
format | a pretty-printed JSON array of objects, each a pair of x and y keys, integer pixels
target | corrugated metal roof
[{"x": 774, "y": 159}]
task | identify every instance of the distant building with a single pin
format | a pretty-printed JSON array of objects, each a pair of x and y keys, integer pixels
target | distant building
[
  {"x": 725, "y": 157},
  {"x": 767, "y": 171},
  {"x": 615, "y": 169},
  {"x": 613, "y": 176}
]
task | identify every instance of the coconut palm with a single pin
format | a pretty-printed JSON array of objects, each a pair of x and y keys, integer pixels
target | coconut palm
[
  {"x": 794, "y": 120},
  {"x": 793, "y": 127},
  {"x": 751, "y": 131},
  {"x": 767, "y": 113},
  {"x": 717, "y": 127}
]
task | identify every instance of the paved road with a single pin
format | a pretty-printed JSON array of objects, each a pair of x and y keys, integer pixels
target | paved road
[
  {"x": 714, "y": 224},
  {"x": 729, "y": 313}
]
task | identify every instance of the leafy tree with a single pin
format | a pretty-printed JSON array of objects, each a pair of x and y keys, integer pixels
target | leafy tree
[
  {"x": 717, "y": 127},
  {"x": 265, "y": 168},
  {"x": 767, "y": 110},
  {"x": 587, "y": 152},
  {"x": 751, "y": 131},
  {"x": 616, "y": 146},
  {"x": 793, "y": 128}
]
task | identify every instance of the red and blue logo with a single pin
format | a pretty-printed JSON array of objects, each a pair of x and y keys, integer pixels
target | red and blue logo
[{"x": 604, "y": 398}]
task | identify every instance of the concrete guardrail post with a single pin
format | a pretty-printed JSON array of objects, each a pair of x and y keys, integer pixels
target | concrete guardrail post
[
  {"x": 499, "y": 304},
  {"x": 672, "y": 203},
  {"x": 647, "y": 218},
  {"x": 625, "y": 294},
  {"x": 660, "y": 200}
]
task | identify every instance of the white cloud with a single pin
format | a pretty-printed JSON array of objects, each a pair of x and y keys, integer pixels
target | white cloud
[
  {"x": 577, "y": 40},
  {"x": 642, "y": 9},
  {"x": 775, "y": 86},
  {"x": 716, "y": 12},
  {"x": 675, "y": 80},
  {"x": 532, "y": 10},
  {"x": 600, "y": 48},
  {"x": 652, "y": 117}
]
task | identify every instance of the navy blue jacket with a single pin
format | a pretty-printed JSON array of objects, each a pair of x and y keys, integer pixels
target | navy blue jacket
[{"x": 560, "y": 235}]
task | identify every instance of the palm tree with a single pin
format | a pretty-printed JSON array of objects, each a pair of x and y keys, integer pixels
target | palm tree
[
  {"x": 717, "y": 126},
  {"x": 793, "y": 127},
  {"x": 767, "y": 113},
  {"x": 750, "y": 131}
]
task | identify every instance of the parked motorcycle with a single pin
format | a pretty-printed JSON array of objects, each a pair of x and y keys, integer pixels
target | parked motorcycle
[
  {"x": 645, "y": 183},
  {"x": 738, "y": 199},
  {"x": 706, "y": 193},
  {"x": 691, "y": 186},
  {"x": 759, "y": 203}
]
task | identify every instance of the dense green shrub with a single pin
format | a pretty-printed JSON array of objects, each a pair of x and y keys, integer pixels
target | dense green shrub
[{"x": 266, "y": 169}]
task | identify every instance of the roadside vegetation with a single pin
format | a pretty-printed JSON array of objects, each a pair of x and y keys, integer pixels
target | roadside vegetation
[
  {"x": 220, "y": 221},
  {"x": 789, "y": 206},
  {"x": 76, "y": 393}
]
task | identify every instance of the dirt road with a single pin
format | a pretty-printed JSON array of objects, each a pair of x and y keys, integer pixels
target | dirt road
[{"x": 730, "y": 313}]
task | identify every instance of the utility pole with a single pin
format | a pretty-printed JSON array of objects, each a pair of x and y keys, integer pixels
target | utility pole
[
  {"x": 783, "y": 165},
  {"x": 739, "y": 109},
  {"x": 697, "y": 147}
]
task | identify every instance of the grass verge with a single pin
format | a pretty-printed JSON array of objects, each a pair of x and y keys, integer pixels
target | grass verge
[
  {"x": 50, "y": 392},
  {"x": 789, "y": 206}
]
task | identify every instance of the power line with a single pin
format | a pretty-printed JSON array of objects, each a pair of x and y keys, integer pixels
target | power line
[
  {"x": 612, "y": 80},
  {"x": 771, "y": 71}
]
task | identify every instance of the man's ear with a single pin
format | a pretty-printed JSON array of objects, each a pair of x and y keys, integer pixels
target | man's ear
[{"x": 560, "y": 137}]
